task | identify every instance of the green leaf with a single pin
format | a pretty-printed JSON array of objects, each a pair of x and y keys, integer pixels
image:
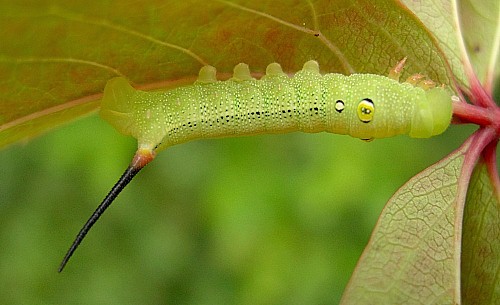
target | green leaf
[
  {"x": 464, "y": 28},
  {"x": 413, "y": 256},
  {"x": 440, "y": 18},
  {"x": 481, "y": 241},
  {"x": 57, "y": 55},
  {"x": 480, "y": 28}
]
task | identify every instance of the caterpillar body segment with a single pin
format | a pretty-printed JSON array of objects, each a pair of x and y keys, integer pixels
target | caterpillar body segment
[
  {"x": 365, "y": 106},
  {"x": 276, "y": 103}
]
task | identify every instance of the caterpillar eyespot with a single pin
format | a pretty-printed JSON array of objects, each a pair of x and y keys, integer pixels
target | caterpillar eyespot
[
  {"x": 339, "y": 106},
  {"x": 365, "y": 106},
  {"x": 366, "y": 110}
]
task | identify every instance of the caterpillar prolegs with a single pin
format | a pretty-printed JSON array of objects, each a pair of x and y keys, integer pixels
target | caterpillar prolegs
[{"x": 365, "y": 106}]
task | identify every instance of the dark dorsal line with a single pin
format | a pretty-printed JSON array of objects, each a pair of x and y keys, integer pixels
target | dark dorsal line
[{"x": 140, "y": 160}]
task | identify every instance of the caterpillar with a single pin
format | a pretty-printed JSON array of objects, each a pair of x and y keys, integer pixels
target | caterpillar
[{"x": 365, "y": 106}]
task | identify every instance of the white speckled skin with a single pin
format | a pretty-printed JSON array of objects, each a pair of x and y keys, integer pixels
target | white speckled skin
[{"x": 277, "y": 103}]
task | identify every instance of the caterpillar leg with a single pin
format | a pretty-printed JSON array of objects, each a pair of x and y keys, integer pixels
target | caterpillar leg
[
  {"x": 395, "y": 72},
  {"x": 427, "y": 84},
  {"x": 415, "y": 79},
  {"x": 420, "y": 81}
]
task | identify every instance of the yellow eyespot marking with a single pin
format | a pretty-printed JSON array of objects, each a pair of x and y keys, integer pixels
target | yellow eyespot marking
[{"x": 366, "y": 110}]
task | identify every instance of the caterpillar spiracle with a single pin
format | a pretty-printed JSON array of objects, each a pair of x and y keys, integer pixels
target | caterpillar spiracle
[{"x": 365, "y": 106}]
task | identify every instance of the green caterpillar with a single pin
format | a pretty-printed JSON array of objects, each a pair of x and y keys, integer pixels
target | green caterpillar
[{"x": 365, "y": 106}]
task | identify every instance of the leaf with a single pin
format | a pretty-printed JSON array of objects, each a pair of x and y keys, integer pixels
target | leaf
[
  {"x": 60, "y": 54},
  {"x": 439, "y": 18},
  {"x": 480, "y": 28},
  {"x": 476, "y": 22},
  {"x": 413, "y": 255},
  {"x": 481, "y": 242}
]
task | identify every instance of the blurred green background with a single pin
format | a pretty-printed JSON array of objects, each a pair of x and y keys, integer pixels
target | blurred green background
[{"x": 278, "y": 219}]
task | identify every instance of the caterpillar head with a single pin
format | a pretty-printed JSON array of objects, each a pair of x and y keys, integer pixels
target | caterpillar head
[{"x": 432, "y": 115}]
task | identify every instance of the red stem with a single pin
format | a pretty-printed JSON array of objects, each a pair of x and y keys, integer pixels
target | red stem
[
  {"x": 490, "y": 158},
  {"x": 479, "y": 95},
  {"x": 479, "y": 140},
  {"x": 473, "y": 114}
]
